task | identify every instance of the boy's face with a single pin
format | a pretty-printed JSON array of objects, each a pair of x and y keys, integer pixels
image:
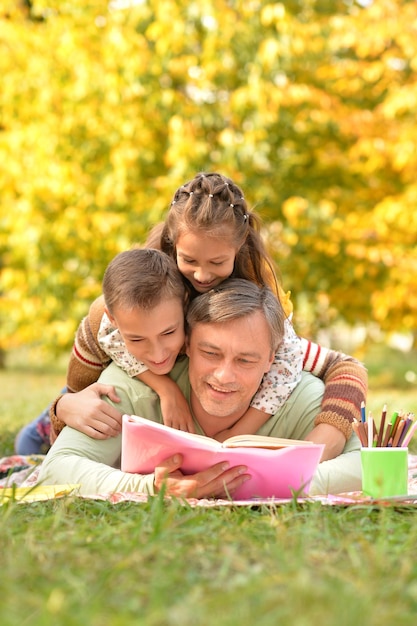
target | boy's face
[{"x": 153, "y": 336}]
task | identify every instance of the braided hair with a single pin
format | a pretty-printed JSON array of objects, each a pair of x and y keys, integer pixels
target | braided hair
[{"x": 213, "y": 204}]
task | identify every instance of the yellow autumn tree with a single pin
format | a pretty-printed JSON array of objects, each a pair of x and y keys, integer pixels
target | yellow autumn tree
[{"x": 105, "y": 110}]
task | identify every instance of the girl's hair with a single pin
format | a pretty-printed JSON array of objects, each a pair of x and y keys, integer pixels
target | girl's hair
[
  {"x": 143, "y": 278},
  {"x": 233, "y": 299},
  {"x": 214, "y": 204}
]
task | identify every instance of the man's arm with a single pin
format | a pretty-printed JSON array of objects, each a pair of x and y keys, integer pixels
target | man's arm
[{"x": 76, "y": 458}]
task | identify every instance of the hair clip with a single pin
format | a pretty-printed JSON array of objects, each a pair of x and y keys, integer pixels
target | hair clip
[
  {"x": 245, "y": 217},
  {"x": 210, "y": 195},
  {"x": 231, "y": 205}
]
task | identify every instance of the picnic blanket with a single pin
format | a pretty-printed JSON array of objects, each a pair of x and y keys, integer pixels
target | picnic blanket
[{"x": 19, "y": 474}]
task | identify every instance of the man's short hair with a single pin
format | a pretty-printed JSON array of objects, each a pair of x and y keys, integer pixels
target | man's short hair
[
  {"x": 236, "y": 298},
  {"x": 141, "y": 277}
]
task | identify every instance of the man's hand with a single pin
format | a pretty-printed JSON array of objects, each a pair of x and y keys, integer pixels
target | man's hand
[
  {"x": 87, "y": 412},
  {"x": 219, "y": 481},
  {"x": 331, "y": 436}
]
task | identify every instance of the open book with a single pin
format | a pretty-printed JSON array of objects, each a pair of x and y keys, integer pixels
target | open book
[{"x": 279, "y": 467}]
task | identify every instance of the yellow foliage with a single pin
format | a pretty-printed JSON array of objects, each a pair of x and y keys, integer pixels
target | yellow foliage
[
  {"x": 104, "y": 113},
  {"x": 294, "y": 208},
  {"x": 272, "y": 13}
]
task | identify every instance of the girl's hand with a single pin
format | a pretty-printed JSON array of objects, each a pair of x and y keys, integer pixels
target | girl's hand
[
  {"x": 331, "y": 436},
  {"x": 87, "y": 412}
]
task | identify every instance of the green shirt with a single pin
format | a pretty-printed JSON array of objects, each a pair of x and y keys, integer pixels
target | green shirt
[{"x": 76, "y": 458}]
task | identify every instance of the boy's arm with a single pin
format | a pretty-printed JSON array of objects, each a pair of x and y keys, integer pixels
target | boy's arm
[{"x": 175, "y": 410}]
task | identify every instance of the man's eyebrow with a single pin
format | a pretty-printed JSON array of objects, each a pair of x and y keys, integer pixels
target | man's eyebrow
[{"x": 212, "y": 346}]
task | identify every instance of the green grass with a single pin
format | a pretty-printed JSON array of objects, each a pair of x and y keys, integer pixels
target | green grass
[
  {"x": 73, "y": 561},
  {"x": 24, "y": 396}
]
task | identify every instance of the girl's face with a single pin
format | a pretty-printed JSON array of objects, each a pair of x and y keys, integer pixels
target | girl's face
[{"x": 205, "y": 260}]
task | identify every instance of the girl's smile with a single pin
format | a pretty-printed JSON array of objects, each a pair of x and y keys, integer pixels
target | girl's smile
[{"x": 205, "y": 260}]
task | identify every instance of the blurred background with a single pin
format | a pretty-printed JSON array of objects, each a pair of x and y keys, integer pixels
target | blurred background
[{"x": 310, "y": 106}]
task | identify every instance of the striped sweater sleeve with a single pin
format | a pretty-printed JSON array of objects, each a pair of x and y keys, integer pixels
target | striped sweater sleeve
[
  {"x": 87, "y": 359},
  {"x": 346, "y": 385}
]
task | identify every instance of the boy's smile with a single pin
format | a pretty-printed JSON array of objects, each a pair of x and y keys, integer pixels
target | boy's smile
[{"x": 153, "y": 336}]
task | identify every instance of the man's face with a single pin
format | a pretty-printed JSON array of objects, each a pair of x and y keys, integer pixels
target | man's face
[
  {"x": 227, "y": 363},
  {"x": 153, "y": 336}
]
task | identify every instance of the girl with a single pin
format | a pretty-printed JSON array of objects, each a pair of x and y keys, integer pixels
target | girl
[{"x": 211, "y": 234}]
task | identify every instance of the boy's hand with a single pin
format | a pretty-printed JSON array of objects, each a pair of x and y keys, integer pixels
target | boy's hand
[{"x": 175, "y": 410}]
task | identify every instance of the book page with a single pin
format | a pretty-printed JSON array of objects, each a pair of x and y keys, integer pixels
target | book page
[{"x": 261, "y": 441}]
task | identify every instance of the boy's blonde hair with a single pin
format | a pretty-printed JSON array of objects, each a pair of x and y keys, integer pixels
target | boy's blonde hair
[{"x": 141, "y": 277}]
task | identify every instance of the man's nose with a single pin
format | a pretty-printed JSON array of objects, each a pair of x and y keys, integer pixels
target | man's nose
[{"x": 224, "y": 372}]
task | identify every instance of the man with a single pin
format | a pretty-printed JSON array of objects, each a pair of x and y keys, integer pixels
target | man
[{"x": 232, "y": 335}]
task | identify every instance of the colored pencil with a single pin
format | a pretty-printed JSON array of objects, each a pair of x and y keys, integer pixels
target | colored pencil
[
  {"x": 359, "y": 430},
  {"x": 387, "y": 436},
  {"x": 382, "y": 425},
  {"x": 370, "y": 430},
  {"x": 396, "y": 433},
  {"x": 410, "y": 433},
  {"x": 394, "y": 422}
]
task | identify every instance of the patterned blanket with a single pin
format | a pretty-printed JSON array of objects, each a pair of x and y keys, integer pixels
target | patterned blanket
[{"x": 18, "y": 481}]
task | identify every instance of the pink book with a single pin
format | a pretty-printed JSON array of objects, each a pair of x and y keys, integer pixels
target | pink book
[{"x": 279, "y": 467}]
